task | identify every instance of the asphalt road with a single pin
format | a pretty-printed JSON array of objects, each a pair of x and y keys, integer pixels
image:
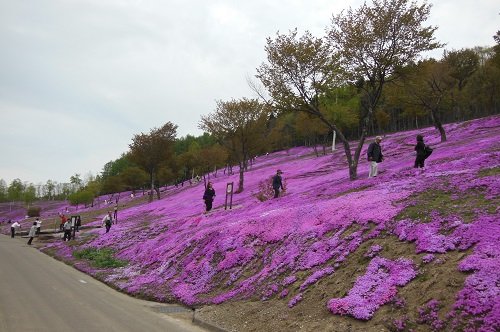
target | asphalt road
[{"x": 39, "y": 293}]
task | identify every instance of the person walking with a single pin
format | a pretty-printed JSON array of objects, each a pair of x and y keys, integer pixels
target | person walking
[
  {"x": 107, "y": 220},
  {"x": 375, "y": 156},
  {"x": 277, "y": 183},
  {"x": 38, "y": 225},
  {"x": 32, "y": 232},
  {"x": 208, "y": 196},
  {"x": 420, "y": 149},
  {"x": 13, "y": 228},
  {"x": 67, "y": 230},
  {"x": 63, "y": 220}
]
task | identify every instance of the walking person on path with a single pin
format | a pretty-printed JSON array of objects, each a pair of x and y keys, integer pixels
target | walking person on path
[
  {"x": 375, "y": 156},
  {"x": 107, "y": 220},
  {"x": 67, "y": 230},
  {"x": 208, "y": 196},
  {"x": 13, "y": 228},
  {"x": 32, "y": 232},
  {"x": 277, "y": 183}
]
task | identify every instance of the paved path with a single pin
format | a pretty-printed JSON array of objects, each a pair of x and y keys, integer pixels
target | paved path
[{"x": 39, "y": 293}]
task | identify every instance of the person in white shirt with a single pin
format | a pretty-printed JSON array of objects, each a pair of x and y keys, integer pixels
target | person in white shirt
[
  {"x": 107, "y": 220},
  {"x": 32, "y": 232},
  {"x": 13, "y": 228},
  {"x": 38, "y": 225},
  {"x": 67, "y": 230}
]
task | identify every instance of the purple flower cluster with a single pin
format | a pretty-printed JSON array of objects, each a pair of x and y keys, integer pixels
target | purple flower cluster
[
  {"x": 428, "y": 314},
  {"x": 375, "y": 288}
]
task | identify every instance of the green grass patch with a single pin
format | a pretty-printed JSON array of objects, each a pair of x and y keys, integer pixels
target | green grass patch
[
  {"x": 445, "y": 203},
  {"x": 99, "y": 257},
  {"x": 489, "y": 171}
]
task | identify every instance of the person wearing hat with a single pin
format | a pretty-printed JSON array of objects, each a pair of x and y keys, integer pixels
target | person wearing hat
[
  {"x": 277, "y": 183},
  {"x": 375, "y": 156}
]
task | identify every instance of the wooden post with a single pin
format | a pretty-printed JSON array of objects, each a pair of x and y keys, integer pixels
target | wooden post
[{"x": 229, "y": 192}]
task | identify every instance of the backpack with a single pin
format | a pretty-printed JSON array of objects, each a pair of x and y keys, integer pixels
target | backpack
[{"x": 428, "y": 151}]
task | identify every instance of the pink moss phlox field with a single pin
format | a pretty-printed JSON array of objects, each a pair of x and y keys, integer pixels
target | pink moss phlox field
[
  {"x": 282, "y": 247},
  {"x": 375, "y": 288}
]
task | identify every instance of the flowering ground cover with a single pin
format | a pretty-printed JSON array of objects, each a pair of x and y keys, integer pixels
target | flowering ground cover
[{"x": 408, "y": 250}]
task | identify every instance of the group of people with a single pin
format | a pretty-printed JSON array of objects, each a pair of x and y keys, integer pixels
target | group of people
[{"x": 375, "y": 155}]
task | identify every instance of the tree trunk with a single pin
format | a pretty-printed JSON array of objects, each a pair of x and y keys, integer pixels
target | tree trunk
[
  {"x": 438, "y": 124},
  {"x": 315, "y": 150},
  {"x": 151, "y": 193},
  {"x": 240, "y": 184}
]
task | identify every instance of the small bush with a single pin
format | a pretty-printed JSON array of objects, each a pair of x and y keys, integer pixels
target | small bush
[
  {"x": 266, "y": 190},
  {"x": 99, "y": 257},
  {"x": 34, "y": 211}
]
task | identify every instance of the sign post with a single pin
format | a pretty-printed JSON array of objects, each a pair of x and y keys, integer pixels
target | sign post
[{"x": 229, "y": 192}]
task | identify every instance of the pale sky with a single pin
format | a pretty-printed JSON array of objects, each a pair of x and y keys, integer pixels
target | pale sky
[{"x": 78, "y": 78}]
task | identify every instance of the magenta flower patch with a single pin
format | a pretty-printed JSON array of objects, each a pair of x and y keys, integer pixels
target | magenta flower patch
[{"x": 375, "y": 288}]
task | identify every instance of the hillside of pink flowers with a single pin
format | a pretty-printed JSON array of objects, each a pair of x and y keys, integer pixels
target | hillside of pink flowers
[{"x": 280, "y": 248}]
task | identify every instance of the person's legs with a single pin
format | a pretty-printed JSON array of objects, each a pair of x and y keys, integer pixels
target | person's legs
[
  {"x": 419, "y": 162},
  {"x": 373, "y": 169},
  {"x": 276, "y": 193},
  {"x": 208, "y": 204},
  {"x": 108, "y": 227},
  {"x": 12, "y": 232},
  {"x": 30, "y": 240}
]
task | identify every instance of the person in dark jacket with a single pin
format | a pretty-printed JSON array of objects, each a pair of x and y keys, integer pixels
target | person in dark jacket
[
  {"x": 208, "y": 196},
  {"x": 421, "y": 155},
  {"x": 277, "y": 183},
  {"x": 375, "y": 156}
]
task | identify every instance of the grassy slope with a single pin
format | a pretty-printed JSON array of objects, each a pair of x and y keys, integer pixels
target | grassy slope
[{"x": 276, "y": 264}]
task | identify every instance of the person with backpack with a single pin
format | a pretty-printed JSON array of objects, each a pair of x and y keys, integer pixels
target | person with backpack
[
  {"x": 375, "y": 156},
  {"x": 277, "y": 183},
  {"x": 423, "y": 152},
  {"x": 32, "y": 232},
  {"x": 106, "y": 221},
  {"x": 208, "y": 196}
]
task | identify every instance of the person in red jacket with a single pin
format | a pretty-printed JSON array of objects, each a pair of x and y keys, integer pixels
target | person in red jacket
[{"x": 63, "y": 220}]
